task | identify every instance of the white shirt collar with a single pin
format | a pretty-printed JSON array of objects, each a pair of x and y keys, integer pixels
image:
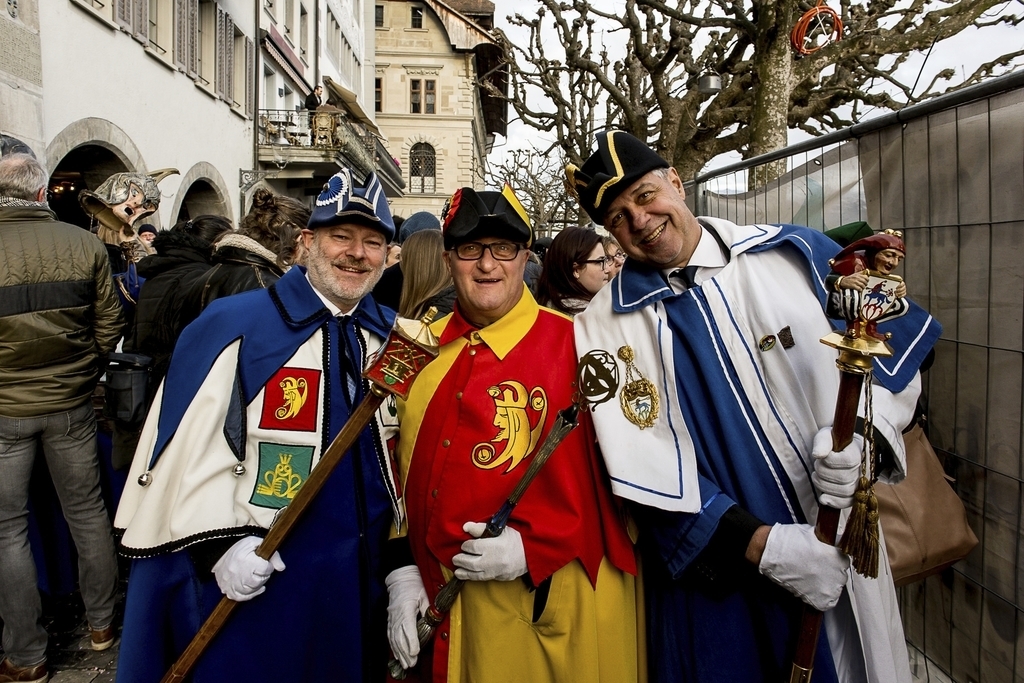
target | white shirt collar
[
  {"x": 335, "y": 311},
  {"x": 707, "y": 256}
]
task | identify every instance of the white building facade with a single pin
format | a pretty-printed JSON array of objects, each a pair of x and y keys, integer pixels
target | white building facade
[
  {"x": 429, "y": 105},
  {"x": 213, "y": 88},
  {"x": 134, "y": 85}
]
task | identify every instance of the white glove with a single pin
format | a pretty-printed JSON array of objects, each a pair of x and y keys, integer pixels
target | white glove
[
  {"x": 241, "y": 573},
  {"x": 501, "y": 558},
  {"x": 407, "y": 599},
  {"x": 813, "y": 571},
  {"x": 836, "y": 473}
]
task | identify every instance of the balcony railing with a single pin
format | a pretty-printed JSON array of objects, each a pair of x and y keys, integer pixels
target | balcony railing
[{"x": 332, "y": 132}]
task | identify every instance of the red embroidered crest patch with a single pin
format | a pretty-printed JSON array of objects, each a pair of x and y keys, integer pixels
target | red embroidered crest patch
[{"x": 290, "y": 400}]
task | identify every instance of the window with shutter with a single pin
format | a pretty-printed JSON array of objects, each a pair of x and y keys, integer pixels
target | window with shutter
[
  {"x": 123, "y": 14},
  {"x": 219, "y": 49},
  {"x": 228, "y": 38},
  {"x": 192, "y": 64},
  {"x": 226, "y": 50},
  {"x": 250, "y": 77},
  {"x": 140, "y": 20},
  {"x": 181, "y": 34}
]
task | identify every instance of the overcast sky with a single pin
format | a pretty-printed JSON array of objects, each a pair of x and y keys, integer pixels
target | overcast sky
[{"x": 963, "y": 52}]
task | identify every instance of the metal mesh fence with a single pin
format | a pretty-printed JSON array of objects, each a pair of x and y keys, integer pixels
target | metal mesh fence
[{"x": 950, "y": 174}]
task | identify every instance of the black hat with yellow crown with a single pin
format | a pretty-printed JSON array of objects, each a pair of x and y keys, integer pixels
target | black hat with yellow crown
[{"x": 620, "y": 160}]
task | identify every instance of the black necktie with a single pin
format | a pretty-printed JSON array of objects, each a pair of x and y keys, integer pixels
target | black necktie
[{"x": 686, "y": 276}]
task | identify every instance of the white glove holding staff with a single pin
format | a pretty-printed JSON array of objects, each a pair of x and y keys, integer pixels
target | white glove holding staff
[
  {"x": 241, "y": 573},
  {"x": 407, "y": 600},
  {"x": 836, "y": 473},
  {"x": 502, "y": 558},
  {"x": 813, "y": 571}
]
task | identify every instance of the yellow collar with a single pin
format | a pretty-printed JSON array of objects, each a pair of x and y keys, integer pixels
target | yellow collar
[{"x": 500, "y": 336}]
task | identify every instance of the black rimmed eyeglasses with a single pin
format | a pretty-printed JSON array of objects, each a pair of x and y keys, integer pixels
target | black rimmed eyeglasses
[
  {"x": 500, "y": 251},
  {"x": 603, "y": 261}
]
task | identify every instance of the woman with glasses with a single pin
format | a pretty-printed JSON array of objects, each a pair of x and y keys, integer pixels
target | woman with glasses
[
  {"x": 616, "y": 257},
  {"x": 575, "y": 269}
]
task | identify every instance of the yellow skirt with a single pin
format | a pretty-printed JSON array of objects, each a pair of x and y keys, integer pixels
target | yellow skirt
[{"x": 583, "y": 635}]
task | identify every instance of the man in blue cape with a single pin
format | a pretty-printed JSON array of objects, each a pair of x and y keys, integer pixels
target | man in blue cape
[
  {"x": 720, "y": 431},
  {"x": 257, "y": 388}
]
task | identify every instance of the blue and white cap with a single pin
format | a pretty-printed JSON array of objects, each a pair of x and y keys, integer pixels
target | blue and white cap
[{"x": 340, "y": 203}]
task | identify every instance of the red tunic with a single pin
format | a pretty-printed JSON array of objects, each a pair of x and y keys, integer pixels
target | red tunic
[{"x": 471, "y": 424}]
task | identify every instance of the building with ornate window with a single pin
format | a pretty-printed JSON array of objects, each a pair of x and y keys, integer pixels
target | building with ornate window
[
  {"x": 214, "y": 88},
  {"x": 305, "y": 43},
  {"x": 429, "y": 107},
  {"x": 96, "y": 87}
]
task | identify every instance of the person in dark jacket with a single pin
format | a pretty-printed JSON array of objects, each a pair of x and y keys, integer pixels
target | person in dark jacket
[
  {"x": 59, "y": 318},
  {"x": 255, "y": 257},
  {"x": 183, "y": 255}
]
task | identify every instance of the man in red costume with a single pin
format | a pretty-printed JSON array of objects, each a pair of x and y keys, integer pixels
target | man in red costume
[{"x": 553, "y": 597}]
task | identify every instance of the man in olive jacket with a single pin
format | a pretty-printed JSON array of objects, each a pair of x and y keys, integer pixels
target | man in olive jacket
[{"x": 59, "y": 318}]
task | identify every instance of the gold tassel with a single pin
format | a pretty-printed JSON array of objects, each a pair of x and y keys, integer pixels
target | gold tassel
[{"x": 860, "y": 539}]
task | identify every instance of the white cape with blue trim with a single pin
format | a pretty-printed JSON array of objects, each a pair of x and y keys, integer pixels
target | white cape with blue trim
[
  {"x": 195, "y": 494},
  {"x": 791, "y": 392}
]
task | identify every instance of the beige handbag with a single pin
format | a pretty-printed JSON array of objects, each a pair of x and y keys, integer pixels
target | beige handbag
[{"x": 923, "y": 520}]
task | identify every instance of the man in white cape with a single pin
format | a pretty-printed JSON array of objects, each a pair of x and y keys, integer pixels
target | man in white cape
[{"x": 720, "y": 431}]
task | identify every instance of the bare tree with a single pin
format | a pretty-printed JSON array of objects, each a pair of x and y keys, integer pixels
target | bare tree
[
  {"x": 651, "y": 89},
  {"x": 539, "y": 181}
]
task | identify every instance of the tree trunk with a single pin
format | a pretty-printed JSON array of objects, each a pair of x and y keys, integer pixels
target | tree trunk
[{"x": 773, "y": 64}]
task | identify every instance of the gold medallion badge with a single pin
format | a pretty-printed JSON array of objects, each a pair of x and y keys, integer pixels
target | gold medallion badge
[{"x": 639, "y": 397}]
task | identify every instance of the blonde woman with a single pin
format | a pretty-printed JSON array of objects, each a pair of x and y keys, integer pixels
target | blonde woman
[{"x": 426, "y": 281}]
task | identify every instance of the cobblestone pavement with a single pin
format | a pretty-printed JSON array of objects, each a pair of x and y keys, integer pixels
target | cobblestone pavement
[{"x": 69, "y": 656}]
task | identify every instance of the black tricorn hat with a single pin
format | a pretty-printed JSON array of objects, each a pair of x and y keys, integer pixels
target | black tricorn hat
[
  {"x": 470, "y": 214},
  {"x": 620, "y": 160}
]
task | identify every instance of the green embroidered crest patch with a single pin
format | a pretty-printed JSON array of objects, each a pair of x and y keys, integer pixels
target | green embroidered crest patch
[{"x": 283, "y": 469}]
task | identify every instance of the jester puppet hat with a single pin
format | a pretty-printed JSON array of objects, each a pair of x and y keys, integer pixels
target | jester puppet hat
[
  {"x": 340, "y": 202},
  {"x": 124, "y": 198},
  {"x": 861, "y": 254},
  {"x": 469, "y": 214},
  {"x": 620, "y": 161}
]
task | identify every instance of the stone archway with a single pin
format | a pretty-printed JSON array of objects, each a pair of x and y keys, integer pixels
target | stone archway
[
  {"x": 202, "y": 191},
  {"x": 99, "y": 132},
  {"x": 81, "y": 157}
]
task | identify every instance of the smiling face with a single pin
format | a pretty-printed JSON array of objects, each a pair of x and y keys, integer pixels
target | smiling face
[
  {"x": 617, "y": 256},
  {"x": 344, "y": 261},
  {"x": 593, "y": 276},
  {"x": 887, "y": 259},
  {"x": 651, "y": 222},
  {"x": 487, "y": 288}
]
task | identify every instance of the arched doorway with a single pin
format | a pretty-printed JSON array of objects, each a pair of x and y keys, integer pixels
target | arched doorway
[
  {"x": 83, "y": 168},
  {"x": 202, "y": 198}
]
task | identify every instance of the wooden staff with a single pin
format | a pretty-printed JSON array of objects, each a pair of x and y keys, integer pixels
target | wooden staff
[
  {"x": 856, "y": 351},
  {"x": 408, "y": 348}
]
